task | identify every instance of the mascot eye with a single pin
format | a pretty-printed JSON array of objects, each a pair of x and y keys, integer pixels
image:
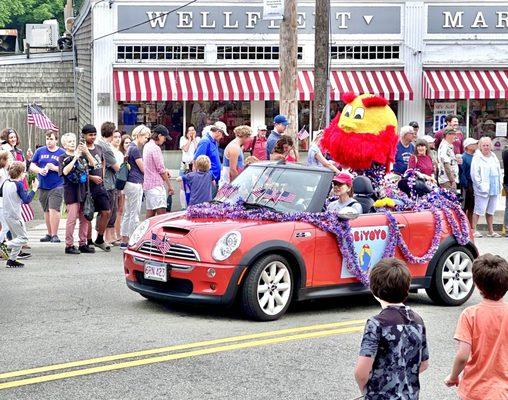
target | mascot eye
[
  {"x": 359, "y": 113},
  {"x": 348, "y": 110}
]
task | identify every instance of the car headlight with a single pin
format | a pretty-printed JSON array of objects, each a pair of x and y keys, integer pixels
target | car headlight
[
  {"x": 226, "y": 245},
  {"x": 139, "y": 232}
]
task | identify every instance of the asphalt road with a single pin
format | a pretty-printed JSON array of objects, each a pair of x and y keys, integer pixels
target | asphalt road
[{"x": 61, "y": 309}]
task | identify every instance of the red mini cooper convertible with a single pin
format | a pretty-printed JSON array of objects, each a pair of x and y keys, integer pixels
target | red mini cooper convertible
[{"x": 265, "y": 265}]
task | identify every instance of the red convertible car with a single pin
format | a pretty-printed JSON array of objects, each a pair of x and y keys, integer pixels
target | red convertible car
[{"x": 265, "y": 265}]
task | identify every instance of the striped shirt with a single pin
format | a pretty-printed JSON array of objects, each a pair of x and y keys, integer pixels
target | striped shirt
[{"x": 153, "y": 162}]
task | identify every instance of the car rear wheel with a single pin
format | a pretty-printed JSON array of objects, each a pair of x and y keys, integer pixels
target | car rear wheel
[
  {"x": 452, "y": 282},
  {"x": 268, "y": 289}
]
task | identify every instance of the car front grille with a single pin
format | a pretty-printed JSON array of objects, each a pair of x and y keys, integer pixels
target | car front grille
[{"x": 175, "y": 251}]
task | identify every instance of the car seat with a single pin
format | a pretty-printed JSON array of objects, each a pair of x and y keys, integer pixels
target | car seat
[{"x": 364, "y": 193}]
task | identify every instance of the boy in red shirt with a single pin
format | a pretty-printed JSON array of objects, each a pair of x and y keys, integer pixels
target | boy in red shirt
[{"x": 482, "y": 333}]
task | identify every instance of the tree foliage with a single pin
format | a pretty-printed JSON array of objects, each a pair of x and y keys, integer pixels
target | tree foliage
[{"x": 16, "y": 13}]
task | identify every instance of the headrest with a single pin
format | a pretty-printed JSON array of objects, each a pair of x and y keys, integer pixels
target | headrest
[{"x": 362, "y": 185}]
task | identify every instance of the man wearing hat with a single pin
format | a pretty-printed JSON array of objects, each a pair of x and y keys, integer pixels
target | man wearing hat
[
  {"x": 257, "y": 144},
  {"x": 156, "y": 184},
  {"x": 209, "y": 146},
  {"x": 448, "y": 167},
  {"x": 280, "y": 124},
  {"x": 451, "y": 121},
  {"x": 466, "y": 183}
]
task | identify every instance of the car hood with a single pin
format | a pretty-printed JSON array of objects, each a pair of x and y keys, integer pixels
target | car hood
[{"x": 179, "y": 221}]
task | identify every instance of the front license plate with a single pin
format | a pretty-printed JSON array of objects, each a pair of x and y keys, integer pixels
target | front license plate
[{"x": 156, "y": 271}]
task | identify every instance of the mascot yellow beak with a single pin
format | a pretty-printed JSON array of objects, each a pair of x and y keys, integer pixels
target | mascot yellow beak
[{"x": 361, "y": 116}]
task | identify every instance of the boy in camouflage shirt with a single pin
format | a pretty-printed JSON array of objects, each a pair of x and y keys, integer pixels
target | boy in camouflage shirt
[{"x": 394, "y": 346}]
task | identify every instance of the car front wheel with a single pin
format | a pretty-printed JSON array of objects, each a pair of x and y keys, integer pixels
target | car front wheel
[
  {"x": 268, "y": 289},
  {"x": 452, "y": 282}
]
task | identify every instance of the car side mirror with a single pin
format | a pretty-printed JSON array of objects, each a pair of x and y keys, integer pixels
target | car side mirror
[{"x": 348, "y": 213}]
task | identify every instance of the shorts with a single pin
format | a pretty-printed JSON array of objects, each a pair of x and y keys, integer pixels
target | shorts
[
  {"x": 113, "y": 201},
  {"x": 483, "y": 205},
  {"x": 156, "y": 198},
  {"x": 100, "y": 199},
  {"x": 51, "y": 199}
]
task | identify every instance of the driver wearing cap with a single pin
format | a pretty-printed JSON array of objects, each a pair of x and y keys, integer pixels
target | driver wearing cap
[{"x": 343, "y": 192}]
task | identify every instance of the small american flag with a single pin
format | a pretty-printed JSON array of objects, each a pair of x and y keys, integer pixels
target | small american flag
[
  {"x": 35, "y": 116},
  {"x": 303, "y": 134},
  {"x": 162, "y": 244},
  {"x": 287, "y": 197},
  {"x": 271, "y": 195},
  {"x": 227, "y": 190},
  {"x": 258, "y": 192}
]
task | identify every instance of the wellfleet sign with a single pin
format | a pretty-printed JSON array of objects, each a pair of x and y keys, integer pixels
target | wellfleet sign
[{"x": 245, "y": 18}]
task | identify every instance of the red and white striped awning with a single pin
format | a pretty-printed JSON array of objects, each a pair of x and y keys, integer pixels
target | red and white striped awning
[
  {"x": 162, "y": 85},
  {"x": 156, "y": 85},
  {"x": 465, "y": 84},
  {"x": 391, "y": 84}
]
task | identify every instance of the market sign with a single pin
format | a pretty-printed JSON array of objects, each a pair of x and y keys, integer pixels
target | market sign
[
  {"x": 441, "y": 110},
  {"x": 246, "y": 18},
  {"x": 467, "y": 19},
  {"x": 369, "y": 243}
]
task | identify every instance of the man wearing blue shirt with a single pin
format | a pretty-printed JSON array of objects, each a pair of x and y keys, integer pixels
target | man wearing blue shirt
[
  {"x": 208, "y": 146},
  {"x": 405, "y": 148},
  {"x": 45, "y": 163},
  {"x": 280, "y": 124}
]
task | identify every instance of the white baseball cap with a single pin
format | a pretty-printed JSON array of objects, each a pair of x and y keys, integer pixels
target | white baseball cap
[
  {"x": 429, "y": 139},
  {"x": 469, "y": 141},
  {"x": 262, "y": 128},
  {"x": 221, "y": 126}
]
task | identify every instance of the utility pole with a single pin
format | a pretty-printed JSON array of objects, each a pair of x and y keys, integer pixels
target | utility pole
[
  {"x": 288, "y": 67},
  {"x": 321, "y": 67}
]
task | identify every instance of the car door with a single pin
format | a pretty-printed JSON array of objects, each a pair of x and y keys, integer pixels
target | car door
[
  {"x": 304, "y": 239},
  {"x": 370, "y": 236}
]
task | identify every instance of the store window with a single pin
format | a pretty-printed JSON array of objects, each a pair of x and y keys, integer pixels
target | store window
[
  {"x": 304, "y": 119},
  {"x": 167, "y": 113},
  {"x": 365, "y": 52},
  {"x": 487, "y": 117}
]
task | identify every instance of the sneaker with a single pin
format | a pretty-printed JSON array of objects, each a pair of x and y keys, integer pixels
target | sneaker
[
  {"x": 46, "y": 238},
  {"x": 86, "y": 249},
  {"x": 14, "y": 264},
  {"x": 72, "y": 250},
  {"x": 26, "y": 247},
  {"x": 4, "y": 252},
  {"x": 55, "y": 239},
  {"x": 123, "y": 246},
  {"x": 104, "y": 246},
  {"x": 493, "y": 235},
  {"x": 24, "y": 256}
]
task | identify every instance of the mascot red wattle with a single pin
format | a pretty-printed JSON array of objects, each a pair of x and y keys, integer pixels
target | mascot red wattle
[{"x": 364, "y": 134}]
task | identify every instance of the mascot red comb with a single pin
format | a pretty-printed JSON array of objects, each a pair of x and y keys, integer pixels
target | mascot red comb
[{"x": 364, "y": 135}]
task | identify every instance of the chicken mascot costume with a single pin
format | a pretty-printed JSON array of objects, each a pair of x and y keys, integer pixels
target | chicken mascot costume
[{"x": 364, "y": 136}]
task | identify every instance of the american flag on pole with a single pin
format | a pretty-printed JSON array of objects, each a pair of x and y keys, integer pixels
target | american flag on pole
[
  {"x": 303, "y": 134},
  {"x": 162, "y": 244},
  {"x": 35, "y": 116}
]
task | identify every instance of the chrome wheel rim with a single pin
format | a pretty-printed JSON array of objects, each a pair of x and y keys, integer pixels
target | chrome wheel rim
[
  {"x": 457, "y": 276},
  {"x": 274, "y": 288}
]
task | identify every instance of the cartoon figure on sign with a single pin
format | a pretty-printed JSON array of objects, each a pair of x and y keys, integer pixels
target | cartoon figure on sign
[{"x": 365, "y": 257}]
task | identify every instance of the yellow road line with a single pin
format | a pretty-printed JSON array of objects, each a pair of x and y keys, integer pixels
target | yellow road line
[
  {"x": 185, "y": 346},
  {"x": 169, "y": 357}
]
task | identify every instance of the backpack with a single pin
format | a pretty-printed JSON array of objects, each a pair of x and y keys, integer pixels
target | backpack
[{"x": 123, "y": 173}]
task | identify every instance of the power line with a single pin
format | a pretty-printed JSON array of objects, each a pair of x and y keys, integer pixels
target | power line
[{"x": 144, "y": 22}]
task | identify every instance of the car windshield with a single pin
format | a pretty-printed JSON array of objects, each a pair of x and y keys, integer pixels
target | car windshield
[{"x": 281, "y": 189}]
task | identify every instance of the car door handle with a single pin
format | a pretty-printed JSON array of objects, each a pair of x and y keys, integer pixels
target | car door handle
[{"x": 401, "y": 226}]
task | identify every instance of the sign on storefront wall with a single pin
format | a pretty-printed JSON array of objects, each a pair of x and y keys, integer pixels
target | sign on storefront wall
[
  {"x": 273, "y": 10},
  {"x": 441, "y": 110},
  {"x": 467, "y": 19},
  {"x": 249, "y": 19}
]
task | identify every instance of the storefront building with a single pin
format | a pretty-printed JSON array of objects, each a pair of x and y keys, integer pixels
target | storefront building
[{"x": 218, "y": 61}]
